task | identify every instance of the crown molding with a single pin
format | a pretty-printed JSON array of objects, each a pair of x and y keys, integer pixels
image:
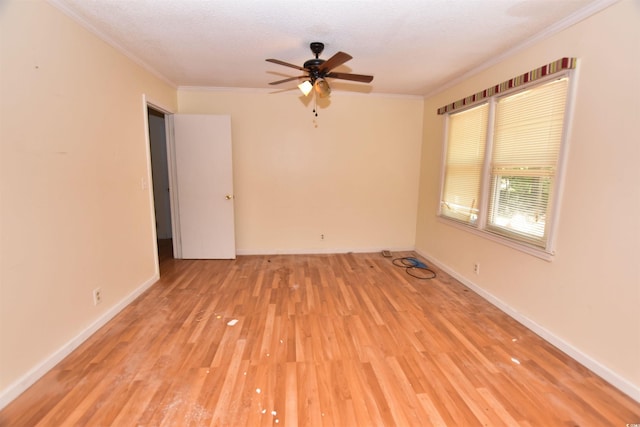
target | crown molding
[{"x": 292, "y": 91}]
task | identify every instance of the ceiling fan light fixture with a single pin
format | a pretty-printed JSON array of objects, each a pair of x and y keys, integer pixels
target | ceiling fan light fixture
[
  {"x": 322, "y": 87},
  {"x": 305, "y": 87},
  {"x": 316, "y": 70}
]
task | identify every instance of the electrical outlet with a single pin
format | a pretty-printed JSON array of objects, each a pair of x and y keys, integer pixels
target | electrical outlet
[
  {"x": 322, "y": 237},
  {"x": 476, "y": 268},
  {"x": 97, "y": 296}
]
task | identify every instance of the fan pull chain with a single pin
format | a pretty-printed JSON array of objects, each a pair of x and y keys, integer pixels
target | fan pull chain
[{"x": 315, "y": 110}]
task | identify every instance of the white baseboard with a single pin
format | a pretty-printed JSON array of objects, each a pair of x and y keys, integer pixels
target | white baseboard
[
  {"x": 318, "y": 251},
  {"x": 38, "y": 371},
  {"x": 596, "y": 367}
]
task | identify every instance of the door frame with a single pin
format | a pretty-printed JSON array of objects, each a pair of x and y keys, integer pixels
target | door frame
[{"x": 168, "y": 123}]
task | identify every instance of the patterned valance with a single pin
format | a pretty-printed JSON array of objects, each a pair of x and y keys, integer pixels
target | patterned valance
[{"x": 546, "y": 70}]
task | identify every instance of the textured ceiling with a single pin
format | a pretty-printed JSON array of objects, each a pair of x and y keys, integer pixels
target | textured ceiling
[{"x": 412, "y": 47}]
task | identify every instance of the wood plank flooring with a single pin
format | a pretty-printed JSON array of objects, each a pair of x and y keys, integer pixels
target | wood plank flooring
[{"x": 320, "y": 340}]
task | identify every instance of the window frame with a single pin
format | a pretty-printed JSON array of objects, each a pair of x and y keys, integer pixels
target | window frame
[{"x": 480, "y": 227}]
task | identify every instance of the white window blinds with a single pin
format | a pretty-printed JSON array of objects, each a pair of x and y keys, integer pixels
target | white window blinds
[
  {"x": 527, "y": 136},
  {"x": 463, "y": 165}
]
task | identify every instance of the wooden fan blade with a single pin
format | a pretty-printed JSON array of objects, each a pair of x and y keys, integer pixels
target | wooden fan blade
[
  {"x": 287, "y": 80},
  {"x": 286, "y": 64},
  {"x": 348, "y": 76},
  {"x": 335, "y": 61}
]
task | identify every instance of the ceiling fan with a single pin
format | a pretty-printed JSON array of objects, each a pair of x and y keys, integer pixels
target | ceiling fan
[{"x": 318, "y": 70}]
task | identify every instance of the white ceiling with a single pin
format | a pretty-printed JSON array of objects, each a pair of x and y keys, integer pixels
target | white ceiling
[{"x": 412, "y": 47}]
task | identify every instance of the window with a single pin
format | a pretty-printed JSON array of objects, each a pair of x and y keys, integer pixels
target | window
[
  {"x": 465, "y": 157},
  {"x": 502, "y": 162}
]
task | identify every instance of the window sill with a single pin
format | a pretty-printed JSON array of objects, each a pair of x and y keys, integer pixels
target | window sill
[{"x": 522, "y": 247}]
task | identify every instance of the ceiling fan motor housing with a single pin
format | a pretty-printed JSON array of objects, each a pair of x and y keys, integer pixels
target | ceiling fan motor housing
[{"x": 312, "y": 65}]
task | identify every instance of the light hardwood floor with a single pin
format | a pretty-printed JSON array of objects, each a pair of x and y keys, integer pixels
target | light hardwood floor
[{"x": 320, "y": 340}]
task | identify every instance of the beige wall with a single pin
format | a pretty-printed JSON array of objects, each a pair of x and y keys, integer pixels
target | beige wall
[
  {"x": 74, "y": 214},
  {"x": 587, "y": 298},
  {"x": 350, "y": 174}
]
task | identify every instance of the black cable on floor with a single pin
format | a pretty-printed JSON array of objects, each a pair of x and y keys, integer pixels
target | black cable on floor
[{"x": 414, "y": 267}]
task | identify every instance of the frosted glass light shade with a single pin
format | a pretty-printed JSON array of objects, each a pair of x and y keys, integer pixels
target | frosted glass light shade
[{"x": 305, "y": 87}]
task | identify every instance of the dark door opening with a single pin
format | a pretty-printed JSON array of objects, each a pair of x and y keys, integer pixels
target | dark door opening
[{"x": 160, "y": 178}]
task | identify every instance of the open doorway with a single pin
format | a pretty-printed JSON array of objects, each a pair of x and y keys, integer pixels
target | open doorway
[
  {"x": 160, "y": 178},
  {"x": 192, "y": 184}
]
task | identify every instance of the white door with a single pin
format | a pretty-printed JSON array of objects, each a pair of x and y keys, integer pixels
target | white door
[{"x": 204, "y": 187}]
